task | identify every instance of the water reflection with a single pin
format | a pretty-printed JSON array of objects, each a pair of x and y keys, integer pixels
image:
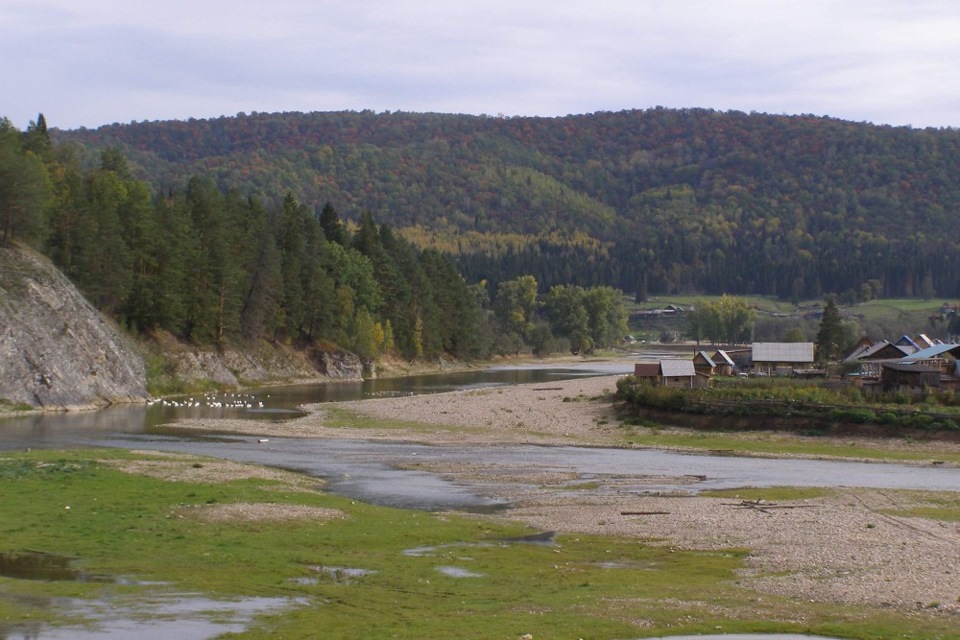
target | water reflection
[{"x": 71, "y": 429}]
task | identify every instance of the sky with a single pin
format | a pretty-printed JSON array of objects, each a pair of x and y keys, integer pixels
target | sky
[{"x": 86, "y": 63}]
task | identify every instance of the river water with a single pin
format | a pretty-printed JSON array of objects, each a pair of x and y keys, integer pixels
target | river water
[{"x": 373, "y": 471}]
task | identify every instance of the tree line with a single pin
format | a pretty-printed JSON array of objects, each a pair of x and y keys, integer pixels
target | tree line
[{"x": 215, "y": 266}]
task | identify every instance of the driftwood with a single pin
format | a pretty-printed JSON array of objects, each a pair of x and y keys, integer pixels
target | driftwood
[
  {"x": 644, "y": 513},
  {"x": 765, "y": 507}
]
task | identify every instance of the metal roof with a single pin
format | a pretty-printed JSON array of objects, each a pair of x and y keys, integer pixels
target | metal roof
[
  {"x": 932, "y": 352},
  {"x": 799, "y": 352},
  {"x": 706, "y": 358},
  {"x": 722, "y": 355},
  {"x": 677, "y": 368},
  {"x": 868, "y": 353}
]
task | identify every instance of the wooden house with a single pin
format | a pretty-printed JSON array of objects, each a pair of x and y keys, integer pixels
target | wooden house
[
  {"x": 781, "y": 358},
  {"x": 704, "y": 364},
  {"x": 725, "y": 365},
  {"x": 945, "y": 357},
  {"x": 669, "y": 373},
  {"x": 912, "y": 378},
  {"x": 871, "y": 358}
]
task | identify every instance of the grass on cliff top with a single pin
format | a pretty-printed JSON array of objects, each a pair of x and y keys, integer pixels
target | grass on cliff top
[{"x": 113, "y": 523}]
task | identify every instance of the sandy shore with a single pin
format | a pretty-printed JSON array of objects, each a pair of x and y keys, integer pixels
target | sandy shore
[{"x": 850, "y": 546}]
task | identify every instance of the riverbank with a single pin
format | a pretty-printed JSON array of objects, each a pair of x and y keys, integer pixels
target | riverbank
[{"x": 839, "y": 547}]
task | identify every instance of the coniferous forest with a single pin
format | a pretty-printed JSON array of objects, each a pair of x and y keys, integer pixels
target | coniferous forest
[
  {"x": 214, "y": 265},
  {"x": 658, "y": 201}
]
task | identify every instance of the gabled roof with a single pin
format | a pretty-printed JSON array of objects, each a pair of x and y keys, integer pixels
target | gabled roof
[
  {"x": 705, "y": 358},
  {"x": 646, "y": 369},
  {"x": 906, "y": 341},
  {"x": 880, "y": 351},
  {"x": 933, "y": 352},
  {"x": 924, "y": 341},
  {"x": 798, "y": 352},
  {"x": 677, "y": 368},
  {"x": 722, "y": 357}
]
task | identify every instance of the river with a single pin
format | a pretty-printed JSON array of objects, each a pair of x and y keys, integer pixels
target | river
[{"x": 378, "y": 472}]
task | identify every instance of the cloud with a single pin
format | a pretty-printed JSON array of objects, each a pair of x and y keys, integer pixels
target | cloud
[{"x": 101, "y": 61}]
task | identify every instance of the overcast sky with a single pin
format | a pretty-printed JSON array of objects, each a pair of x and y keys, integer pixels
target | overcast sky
[{"x": 93, "y": 62}]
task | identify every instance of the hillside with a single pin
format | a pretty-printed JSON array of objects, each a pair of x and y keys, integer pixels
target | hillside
[{"x": 660, "y": 201}]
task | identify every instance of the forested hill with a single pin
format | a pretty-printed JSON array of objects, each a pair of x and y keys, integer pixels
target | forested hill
[{"x": 659, "y": 200}]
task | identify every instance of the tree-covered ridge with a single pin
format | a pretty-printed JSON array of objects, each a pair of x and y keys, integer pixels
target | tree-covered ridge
[
  {"x": 687, "y": 200},
  {"x": 218, "y": 267}
]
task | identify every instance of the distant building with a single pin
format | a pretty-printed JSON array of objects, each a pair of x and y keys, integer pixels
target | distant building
[
  {"x": 781, "y": 358},
  {"x": 669, "y": 373},
  {"x": 704, "y": 364},
  {"x": 871, "y": 358},
  {"x": 725, "y": 366}
]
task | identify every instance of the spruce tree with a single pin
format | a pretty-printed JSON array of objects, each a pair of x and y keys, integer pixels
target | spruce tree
[{"x": 830, "y": 334}]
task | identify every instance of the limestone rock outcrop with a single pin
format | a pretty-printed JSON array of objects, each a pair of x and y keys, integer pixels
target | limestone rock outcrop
[{"x": 56, "y": 350}]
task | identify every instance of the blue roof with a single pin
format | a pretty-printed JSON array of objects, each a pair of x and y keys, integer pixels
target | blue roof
[
  {"x": 932, "y": 352},
  {"x": 906, "y": 341}
]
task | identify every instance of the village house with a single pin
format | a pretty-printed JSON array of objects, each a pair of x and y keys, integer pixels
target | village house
[
  {"x": 704, "y": 364},
  {"x": 725, "y": 365},
  {"x": 781, "y": 358},
  {"x": 870, "y": 358},
  {"x": 910, "y": 378},
  {"x": 669, "y": 373}
]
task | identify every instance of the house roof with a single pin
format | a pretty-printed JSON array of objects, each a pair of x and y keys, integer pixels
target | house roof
[
  {"x": 646, "y": 369},
  {"x": 925, "y": 341},
  {"x": 704, "y": 357},
  {"x": 881, "y": 351},
  {"x": 798, "y": 352},
  {"x": 677, "y": 368},
  {"x": 933, "y": 352},
  {"x": 906, "y": 341},
  {"x": 723, "y": 358}
]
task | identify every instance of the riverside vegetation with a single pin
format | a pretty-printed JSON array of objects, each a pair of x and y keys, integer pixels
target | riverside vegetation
[{"x": 804, "y": 406}]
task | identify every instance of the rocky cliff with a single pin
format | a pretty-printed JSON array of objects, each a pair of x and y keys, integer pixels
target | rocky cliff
[{"x": 56, "y": 350}]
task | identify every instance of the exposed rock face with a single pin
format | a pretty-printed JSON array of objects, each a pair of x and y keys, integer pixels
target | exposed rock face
[
  {"x": 56, "y": 350},
  {"x": 256, "y": 363},
  {"x": 339, "y": 364}
]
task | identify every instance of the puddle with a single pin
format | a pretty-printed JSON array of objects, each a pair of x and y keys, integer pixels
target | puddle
[
  {"x": 341, "y": 575},
  {"x": 48, "y": 567},
  {"x": 458, "y": 572},
  {"x": 424, "y": 552},
  {"x": 545, "y": 538},
  {"x": 156, "y": 617}
]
